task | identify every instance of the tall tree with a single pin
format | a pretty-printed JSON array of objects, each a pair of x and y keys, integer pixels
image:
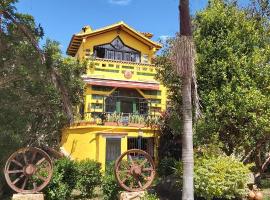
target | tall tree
[
  {"x": 31, "y": 107},
  {"x": 183, "y": 53}
]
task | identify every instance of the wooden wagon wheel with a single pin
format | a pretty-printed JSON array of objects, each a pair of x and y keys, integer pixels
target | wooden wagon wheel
[
  {"x": 28, "y": 170},
  {"x": 134, "y": 170}
]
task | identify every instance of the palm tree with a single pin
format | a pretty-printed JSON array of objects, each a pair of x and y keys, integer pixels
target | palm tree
[{"x": 183, "y": 53}]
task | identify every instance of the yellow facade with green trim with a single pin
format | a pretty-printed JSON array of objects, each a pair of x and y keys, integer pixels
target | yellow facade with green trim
[{"x": 122, "y": 99}]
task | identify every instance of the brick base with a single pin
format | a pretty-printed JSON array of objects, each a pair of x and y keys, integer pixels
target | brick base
[
  {"x": 131, "y": 195},
  {"x": 28, "y": 197}
]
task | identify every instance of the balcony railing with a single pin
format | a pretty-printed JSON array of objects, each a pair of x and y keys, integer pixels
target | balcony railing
[
  {"x": 124, "y": 104},
  {"x": 120, "y": 119},
  {"x": 102, "y": 67}
]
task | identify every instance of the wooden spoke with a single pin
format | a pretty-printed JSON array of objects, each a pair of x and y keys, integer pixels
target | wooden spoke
[
  {"x": 139, "y": 182},
  {"x": 131, "y": 184},
  {"x": 24, "y": 183},
  {"x": 15, "y": 171},
  {"x": 18, "y": 179},
  {"x": 35, "y": 185},
  {"x": 33, "y": 157},
  {"x": 41, "y": 177},
  {"x": 130, "y": 158},
  {"x": 40, "y": 161},
  {"x": 17, "y": 163},
  {"x": 147, "y": 169},
  {"x": 145, "y": 177},
  {"x": 25, "y": 159},
  {"x": 144, "y": 161}
]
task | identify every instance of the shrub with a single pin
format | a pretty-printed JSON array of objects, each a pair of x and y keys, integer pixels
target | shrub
[
  {"x": 63, "y": 180},
  {"x": 88, "y": 177},
  {"x": 219, "y": 177},
  {"x": 57, "y": 189},
  {"x": 166, "y": 166},
  {"x": 150, "y": 197},
  {"x": 69, "y": 175},
  {"x": 110, "y": 186}
]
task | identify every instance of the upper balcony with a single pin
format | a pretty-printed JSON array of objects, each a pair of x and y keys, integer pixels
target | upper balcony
[{"x": 121, "y": 70}]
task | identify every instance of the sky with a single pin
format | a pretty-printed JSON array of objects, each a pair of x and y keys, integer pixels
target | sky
[{"x": 63, "y": 18}]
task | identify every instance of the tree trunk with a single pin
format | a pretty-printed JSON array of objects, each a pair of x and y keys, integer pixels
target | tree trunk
[
  {"x": 187, "y": 145},
  {"x": 187, "y": 141}
]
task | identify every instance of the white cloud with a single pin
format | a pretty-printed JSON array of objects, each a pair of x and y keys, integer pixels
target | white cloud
[
  {"x": 163, "y": 38},
  {"x": 120, "y": 2}
]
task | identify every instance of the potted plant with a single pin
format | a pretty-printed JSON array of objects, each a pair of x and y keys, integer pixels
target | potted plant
[
  {"x": 110, "y": 120},
  {"x": 136, "y": 120}
]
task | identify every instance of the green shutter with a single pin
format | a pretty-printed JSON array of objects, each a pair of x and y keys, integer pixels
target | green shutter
[
  {"x": 134, "y": 107},
  {"x": 118, "y": 106}
]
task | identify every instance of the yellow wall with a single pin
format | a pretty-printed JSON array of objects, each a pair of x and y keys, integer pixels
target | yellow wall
[
  {"x": 108, "y": 37},
  {"x": 89, "y": 142}
]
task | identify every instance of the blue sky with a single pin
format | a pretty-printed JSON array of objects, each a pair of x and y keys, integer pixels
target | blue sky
[{"x": 62, "y": 18}]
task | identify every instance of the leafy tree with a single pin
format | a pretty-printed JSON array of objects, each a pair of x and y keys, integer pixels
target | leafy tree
[
  {"x": 32, "y": 110},
  {"x": 233, "y": 75},
  {"x": 233, "y": 69}
]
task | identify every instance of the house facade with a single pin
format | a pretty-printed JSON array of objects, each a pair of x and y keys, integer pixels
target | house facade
[{"x": 122, "y": 101}]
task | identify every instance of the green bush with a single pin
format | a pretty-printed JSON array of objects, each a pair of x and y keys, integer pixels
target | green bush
[
  {"x": 57, "y": 189},
  {"x": 88, "y": 177},
  {"x": 219, "y": 177},
  {"x": 150, "y": 197},
  {"x": 110, "y": 186},
  {"x": 69, "y": 175},
  {"x": 166, "y": 166},
  {"x": 63, "y": 180}
]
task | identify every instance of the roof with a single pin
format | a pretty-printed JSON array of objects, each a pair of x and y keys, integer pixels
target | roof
[{"x": 87, "y": 31}]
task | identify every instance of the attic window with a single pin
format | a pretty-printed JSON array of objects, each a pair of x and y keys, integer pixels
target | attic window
[{"x": 117, "y": 50}]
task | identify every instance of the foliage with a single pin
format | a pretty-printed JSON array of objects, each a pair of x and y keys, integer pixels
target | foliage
[
  {"x": 88, "y": 177},
  {"x": 31, "y": 111},
  {"x": 166, "y": 166},
  {"x": 170, "y": 139},
  {"x": 63, "y": 180},
  {"x": 233, "y": 77},
  {"x": 219, "y": 176},
  {"x": 69, "y": 175},
  {"x": 149, "y": 196},
  {"x": 109, "y": 185}
]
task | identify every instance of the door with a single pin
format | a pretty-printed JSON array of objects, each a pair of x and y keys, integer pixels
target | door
[{"x": 113, "y": 149}]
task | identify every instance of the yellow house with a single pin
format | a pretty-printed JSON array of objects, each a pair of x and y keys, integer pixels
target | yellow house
[{"x": 122, "y": 100}]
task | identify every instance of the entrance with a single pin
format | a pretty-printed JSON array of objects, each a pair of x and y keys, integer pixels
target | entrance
[{"x": 113, "y": 149}]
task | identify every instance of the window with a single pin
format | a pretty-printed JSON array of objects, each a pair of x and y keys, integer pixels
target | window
[
  {"x": 100, "y": 52},
  {"x": 117, "y": 50},
  {"x": 101, "y": 88},
  {"x": 118, "y": 55},
  {"x": 127, "y": 57},
  {"x": 151, "y": 92},
  {"x": 110, "y": 54}
]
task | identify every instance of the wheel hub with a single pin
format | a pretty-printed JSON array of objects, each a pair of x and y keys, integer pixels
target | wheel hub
[
  {"x": 29, "y": 170},
  {"x": 136, "y": 170}
]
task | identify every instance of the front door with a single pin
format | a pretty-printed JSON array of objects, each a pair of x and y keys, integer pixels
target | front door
[{"x": 113, "y": 149}]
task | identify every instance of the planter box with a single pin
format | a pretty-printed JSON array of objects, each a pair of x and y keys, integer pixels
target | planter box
[
  {"x": 110, "y": 123},
  {"x": 136, "y": 125}
]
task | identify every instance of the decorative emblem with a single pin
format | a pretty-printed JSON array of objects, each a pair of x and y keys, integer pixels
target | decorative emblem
[{"x": 128, "y": 74}]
